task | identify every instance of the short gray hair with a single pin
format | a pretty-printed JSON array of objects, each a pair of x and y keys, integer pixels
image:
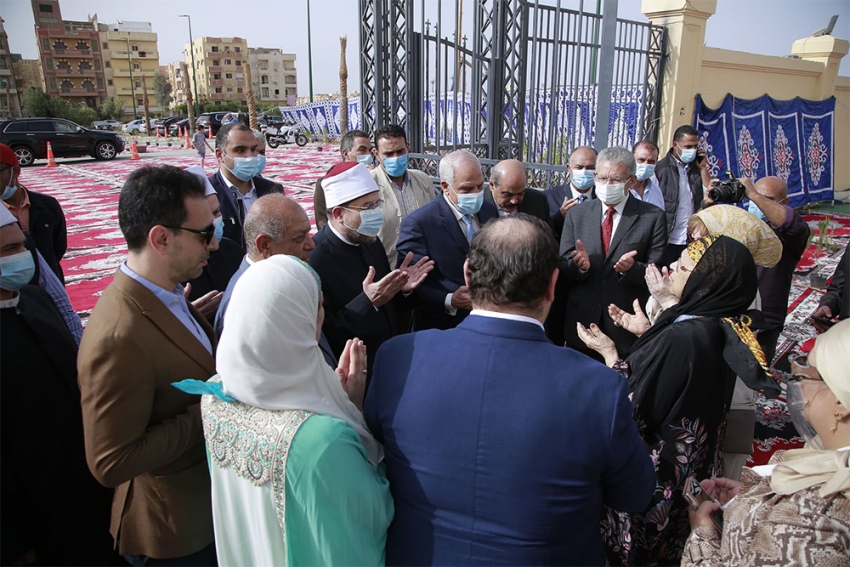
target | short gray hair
[
  {"x": 266, "y": 217},
  {"x": 618, "y": 155},
  {"x": 451, "y": 159}
]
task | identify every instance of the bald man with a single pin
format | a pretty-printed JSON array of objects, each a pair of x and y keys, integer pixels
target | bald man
[
  {"x": 275, "y": 224},
  {"x": 579, "y": 189},
  {"x": 509, "y": 193},
  {"x": 769, "y": 201}
]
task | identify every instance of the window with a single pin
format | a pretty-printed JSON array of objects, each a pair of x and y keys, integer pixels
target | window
[
  {"x": 16, "y": 127},
  {"x": 88, "y": 85},
  {"x": 138, "y": 84},
  {"x": 216, "y": 62},
  {"x": 94, "y": 46},
  {"x": 277, "y": 92},
  {"x": 60, "y": 45},
  {"x": 291, "y": 80},
  {"x": 108, "y": 82},
  {"x": 108, "y": 64},
  {"x": 135, "y": 47},
  {"x": 84, "y": 66},
  {"x": 82, "y": 45},
  {"x": 140, "y": 102},
  {"x": 239, "y": 90},
  {"x": 45, "y": 44},
  {"x": 45, "y": 8},
  {"x": 53, "y": 83},
  {"x": 263, "y": 66},
  {"x": 216, "y": 76},
  {"x": 237, "y": 49},
  {"x": 41, "y": 126},
  {"x": 264, "y": 80},
  {"x": 228, "y": 75},
  {"x": 238, "y": 62},
  {"x": 217, "y": 90},
  {"x": 228, "y": 62},
  {"x": 97, "y": 64},
  {"x": 136, "y": 67},
  {"x": 62, "y": 126},
  {"x": 64, "y": 65},
  {"x": 265, "y": 92},
  {"x": 67, "y": 85},
  {"x": 214, "y": 49},
  {"x": 143, "y": 53},
  {"x": 230, "y": 89},
  {"x": 100, "y": 83},
  {"x": 48, "y": 62},
  {"x": 106, "y": 45}
]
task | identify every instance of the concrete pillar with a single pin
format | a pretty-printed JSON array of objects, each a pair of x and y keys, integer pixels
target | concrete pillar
[
  {"x": 685, "y": 21},
  {"x": 827, "y": 51}
]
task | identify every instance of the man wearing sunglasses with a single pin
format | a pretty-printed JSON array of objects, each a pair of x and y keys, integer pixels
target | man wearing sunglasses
[{"x": 143, "y": 436}]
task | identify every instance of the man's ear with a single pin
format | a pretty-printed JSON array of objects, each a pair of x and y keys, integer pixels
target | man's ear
[
  {"x": 262, "y": 243},
  {"x": 159, "y": 238},
  {"x": 337, "y": 213},
  {"x": 444, "y": 186},
  {"x": 553, "y": 282}
]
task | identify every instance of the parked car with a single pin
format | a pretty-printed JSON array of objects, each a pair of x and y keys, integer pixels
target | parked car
[
  {"x": 175, "y": 127},
  {"x": 28, "y": 137},
  {"x": 213, "y": 119},
  {"x": 162, "y": 125},
  {"x": 135, "y": 127},
  {"x": 105, "y": 125}
]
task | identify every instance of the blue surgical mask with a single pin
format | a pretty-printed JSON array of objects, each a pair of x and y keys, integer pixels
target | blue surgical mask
[
  {"x": 368, "y": 159},
  {"x": 218, "y": 224},
  {"x": 395, "y": 166},
  {"x": 469, "y": 203},
  {"x": 644, "y": 171},
  {"x": 16, "y": 270},
  {"x": 688, "y": 155},
  {"x": 581, "y": 178},
  {"x": 244, "y": 168},
  {"x": 261, "y": 164},
  {"x": 753, "y": 209},
  {"x": 10, "y": 189},
  {"x": 371, "y": 221}
]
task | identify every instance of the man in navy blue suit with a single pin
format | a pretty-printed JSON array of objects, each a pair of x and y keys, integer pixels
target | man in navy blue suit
[
  {"x": 502, "y": 448},
  {"x": 238, "y": 181},
  {"x": 442, "y": 230}
]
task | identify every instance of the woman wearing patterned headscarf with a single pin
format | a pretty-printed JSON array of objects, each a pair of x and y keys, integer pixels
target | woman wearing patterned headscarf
[
  {"x": 796, "y": 510},
  {"x": 681, "y": 374},
  {"x": 295, "y": 477}
]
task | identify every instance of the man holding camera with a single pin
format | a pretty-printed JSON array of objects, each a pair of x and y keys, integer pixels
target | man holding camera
[
  {"x": 684, "y": 178},
  {"x": 769, "y": 201}
]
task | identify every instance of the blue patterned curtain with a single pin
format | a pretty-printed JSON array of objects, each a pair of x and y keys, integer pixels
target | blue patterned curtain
[{"x": 790, "y": 139}]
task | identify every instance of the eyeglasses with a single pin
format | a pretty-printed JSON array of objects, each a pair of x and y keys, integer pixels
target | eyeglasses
[
  {"x": 206, "y": 234},
  {"x": 368, "y": 206}
]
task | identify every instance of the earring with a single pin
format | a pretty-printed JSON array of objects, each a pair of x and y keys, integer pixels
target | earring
[{"x": 837, "y": 416}]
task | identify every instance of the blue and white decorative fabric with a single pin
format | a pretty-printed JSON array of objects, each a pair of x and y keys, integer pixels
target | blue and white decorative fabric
[{"x": 789, "y": 139}]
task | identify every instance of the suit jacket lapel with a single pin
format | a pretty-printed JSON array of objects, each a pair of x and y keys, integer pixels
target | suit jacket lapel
[
  {"x": 450, "y": 224},
  {"x": 170, "y": 326},
  {"x": 627, "y": 219},
  {"x": 591, "y": 238}
]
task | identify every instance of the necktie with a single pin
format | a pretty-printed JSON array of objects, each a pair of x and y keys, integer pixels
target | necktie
[
  {"x": 467, "y": 220},
  {"x": 607, "y": 229},
  {"x": 582, "y": 199}
]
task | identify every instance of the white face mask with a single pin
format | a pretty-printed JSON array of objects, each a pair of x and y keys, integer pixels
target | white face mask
[{"x": 611, "y": 194}]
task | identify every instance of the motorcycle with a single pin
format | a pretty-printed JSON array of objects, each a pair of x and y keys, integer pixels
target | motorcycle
[{"x": 285, "y": 133}]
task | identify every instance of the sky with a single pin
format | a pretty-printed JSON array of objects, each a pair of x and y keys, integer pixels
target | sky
[{"x": 767, "y": 27}]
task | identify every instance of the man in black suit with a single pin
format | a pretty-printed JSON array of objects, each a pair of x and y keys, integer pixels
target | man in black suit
[
  {"x": 605, "y": 247},
  {"x": 358, "y": 288},
  {"x": 39, "y": 215},
  {"x": 509, "y": 193},
  {"x": 238, "y": 182},
  {"x": 442, "y": 230},
  {"x": 577, "y": 190}
]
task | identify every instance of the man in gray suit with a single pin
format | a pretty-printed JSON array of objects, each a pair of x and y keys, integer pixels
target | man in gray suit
[{"x": 605, "y": 247}]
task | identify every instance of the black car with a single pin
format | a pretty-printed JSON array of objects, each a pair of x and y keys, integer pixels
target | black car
[
  {"x": 28, "y": 137},
  {"x": 175, "y": 127},
  {"x": 213, "y": 119},
  {"x": 162, "y": 125}
]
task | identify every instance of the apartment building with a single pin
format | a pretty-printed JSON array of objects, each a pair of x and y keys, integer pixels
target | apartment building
[
  {"x": 273, "y": 76},
  {"x": 219, "y": 68},
  {"x": 179, "y": 86},
  {"x": 10, "y": 101},
  {"x": 131, "y": 62},
  {"x": 71, "y": 59}
]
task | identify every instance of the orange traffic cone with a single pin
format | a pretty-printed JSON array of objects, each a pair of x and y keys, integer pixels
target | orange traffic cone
[
  {"x": 51, "y": 161},
  {"x": 134, "y": 150},
  {"x": 188, "y": 143},
  {"x": 210, "y": 132},
  {"x": 157, "y": 135}
]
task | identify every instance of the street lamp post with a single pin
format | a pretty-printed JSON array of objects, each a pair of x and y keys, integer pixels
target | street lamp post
[
  {"x": 309, "y": 52},
  {"x": 192, "y": 53},
  {"x": 132, "y": 82}
]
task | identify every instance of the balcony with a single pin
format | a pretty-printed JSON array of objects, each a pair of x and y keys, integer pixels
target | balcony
[
  {"x": 214, "y": 69},
  {"x": 73, "y": 52},
  {"x": 216, "y": 82},
  {"x": 216, "y": 96},
  {"x": 79, "y": 91}
]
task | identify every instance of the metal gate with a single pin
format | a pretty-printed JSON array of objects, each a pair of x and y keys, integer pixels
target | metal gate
[{"x": 532, "y": 82}]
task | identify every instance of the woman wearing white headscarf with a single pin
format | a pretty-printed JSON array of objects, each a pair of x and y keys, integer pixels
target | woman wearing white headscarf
[
  {"x": 795, "y": 511},
  {"x": 295, "y": 475}
]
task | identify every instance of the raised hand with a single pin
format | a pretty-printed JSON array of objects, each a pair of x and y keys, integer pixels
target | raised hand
[
  {"x": 625, "y": 263},
  {"x": 207, "y": 304},
  {"x": 659, "y": 284},
  {"x": 567, "y": 205},
  {"x": 351, "y": 371},
  {"x": 596, "y": 340},
  {"x": 637, "y": 323},
  {"x": 580, "y": 257},
  {"x": 416, "y": 273},
  {"x": 382, "y": 291}
]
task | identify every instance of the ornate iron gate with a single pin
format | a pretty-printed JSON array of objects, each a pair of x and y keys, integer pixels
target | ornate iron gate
[{"x": 534, "y": 84}]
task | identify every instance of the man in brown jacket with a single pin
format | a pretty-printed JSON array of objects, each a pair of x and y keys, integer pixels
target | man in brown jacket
[{"x": 143, "y": 436}]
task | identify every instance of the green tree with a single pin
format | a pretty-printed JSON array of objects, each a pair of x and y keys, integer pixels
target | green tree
[
  {"x": 162, "y": 88},
  {"x": 26, "y": 74},
  {"x": 181, "y": 109},
  {"x": 112, "y": 109},
  {"x": 81, "y": 114},
  {"x": 36, "y": 102}
]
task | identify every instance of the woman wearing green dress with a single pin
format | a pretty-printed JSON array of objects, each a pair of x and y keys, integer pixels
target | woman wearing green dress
[{"x": 296, "y": 475}]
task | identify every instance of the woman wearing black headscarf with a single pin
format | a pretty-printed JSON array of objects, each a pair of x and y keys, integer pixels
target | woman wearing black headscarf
[{"x": 681, "y": 374}]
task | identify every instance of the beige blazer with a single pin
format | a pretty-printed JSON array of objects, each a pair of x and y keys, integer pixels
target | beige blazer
[
  {"x": 423, "y": 191},
  {"x": 142, "y": 435}
]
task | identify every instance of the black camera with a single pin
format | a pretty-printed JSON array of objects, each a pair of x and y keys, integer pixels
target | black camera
[{"x": 729, "y": 191}]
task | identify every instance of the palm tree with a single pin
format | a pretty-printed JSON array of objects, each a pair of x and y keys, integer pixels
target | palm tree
[{"x": 343, "y": 88}]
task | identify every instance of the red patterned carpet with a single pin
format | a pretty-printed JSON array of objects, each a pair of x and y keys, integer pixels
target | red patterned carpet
[{"x": 88, "y": 192}]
